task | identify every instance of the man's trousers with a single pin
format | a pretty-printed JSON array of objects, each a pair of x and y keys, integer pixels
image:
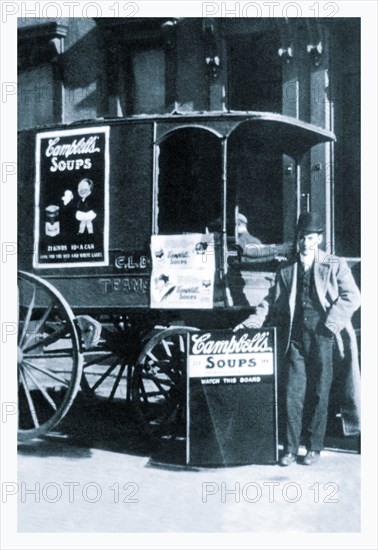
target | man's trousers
[{"x": 308, "y": 384}]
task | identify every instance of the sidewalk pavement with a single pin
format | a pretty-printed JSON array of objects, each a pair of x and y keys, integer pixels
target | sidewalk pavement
[{"x": 120, "y": 492}]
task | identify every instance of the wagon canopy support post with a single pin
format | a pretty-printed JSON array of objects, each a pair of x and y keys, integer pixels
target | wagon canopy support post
[
  {"x": 227, "y": 295},
  {"x": 155, "y": 185}
]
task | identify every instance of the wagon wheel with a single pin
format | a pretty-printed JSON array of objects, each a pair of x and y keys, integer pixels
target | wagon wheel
[
  {"x": 49, "y": 360},
  {"x": 159, "y": 383},
  {"x": 107, "y": 369}
]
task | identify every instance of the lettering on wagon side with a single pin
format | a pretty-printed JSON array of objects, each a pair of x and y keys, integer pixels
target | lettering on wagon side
[{"x": 129, "y": 285}]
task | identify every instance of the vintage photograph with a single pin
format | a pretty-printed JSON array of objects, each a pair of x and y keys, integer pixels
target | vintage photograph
[{"x": 189, "y": 273}]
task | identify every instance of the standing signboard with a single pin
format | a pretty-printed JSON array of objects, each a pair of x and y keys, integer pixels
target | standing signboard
[
  {"x": 72, "y": 198},
  {"x": 231, "y": 398}
]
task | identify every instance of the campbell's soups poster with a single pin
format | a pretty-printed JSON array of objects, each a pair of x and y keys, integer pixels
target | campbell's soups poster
[
  {"x": 226, "y": 357},
  {"x": 71, "y": 198},
  {"x": 183, "y": 269}
]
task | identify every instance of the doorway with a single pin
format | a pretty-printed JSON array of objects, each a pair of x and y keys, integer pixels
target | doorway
[{"x": 190, "y": 183}]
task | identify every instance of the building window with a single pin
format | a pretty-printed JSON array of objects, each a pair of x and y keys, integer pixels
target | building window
[
  {"x": 139, "y": 65},
  {"x": 142, "y": 87},
  {"x": 255, "y": 73},
  {"x": 40, "y": 86},
  {"x": 35, "y": 97}
]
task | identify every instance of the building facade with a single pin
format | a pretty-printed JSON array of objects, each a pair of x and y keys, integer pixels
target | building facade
[{"x": 76, "y": 70}]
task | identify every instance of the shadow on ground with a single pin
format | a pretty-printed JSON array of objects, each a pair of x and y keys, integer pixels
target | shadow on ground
[
  {"x": 98, "y": 424},
  {"x": 92, "y": 423}
]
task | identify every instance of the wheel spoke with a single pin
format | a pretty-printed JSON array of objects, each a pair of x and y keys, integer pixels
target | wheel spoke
[
  {"x": 117, "y": 381},
  {"x": 158, "y": 383},
  {"x": 95, "y": 361},
  {"x": 29, "y": 398},
  {"x": 152, "y": 357},
  {"x": 166, "y": 345},
  {"x": 162, "y": 390},
  {"x": 41, "y": 388},
  {"x": 143, "y": 391},
  {"x": 166, "y": 382},
  {"x": 182, "y": 343},
  {"x": 53, "y": 354},
  {"x": 27, "y": 319},
  {"x": 105, "y": 375},
  {"x": 47, "y": 372},
  {"x": 44, "y": 317},
  {"x": 48, "y": 340},
  {"x": 152, "y": 393}
]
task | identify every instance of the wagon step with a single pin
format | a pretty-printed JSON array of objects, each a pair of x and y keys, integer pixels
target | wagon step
[{"x": 90, "y": 330}]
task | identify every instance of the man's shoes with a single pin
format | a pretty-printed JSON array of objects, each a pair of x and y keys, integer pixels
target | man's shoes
[
  {"x": 287, "y": 459},
  {"x": 311, "y": 457}
]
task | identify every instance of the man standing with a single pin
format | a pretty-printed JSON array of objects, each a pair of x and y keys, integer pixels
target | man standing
[{"x": 312, "y": 304}]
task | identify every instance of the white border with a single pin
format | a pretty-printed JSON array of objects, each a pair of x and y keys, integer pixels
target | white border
[
  {"x": 43, "y": 135},
  {"x": 367, "y": 539}
]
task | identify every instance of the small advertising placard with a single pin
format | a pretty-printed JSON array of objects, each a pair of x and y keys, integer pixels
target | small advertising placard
[
  {"x": 183, "y": 269},
  {"x": 72, "y": 198},
  {"x": 231, "y": 398}
]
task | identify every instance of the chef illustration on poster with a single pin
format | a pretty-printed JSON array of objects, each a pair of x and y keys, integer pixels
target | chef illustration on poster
[{"x": 71, "y": 202}]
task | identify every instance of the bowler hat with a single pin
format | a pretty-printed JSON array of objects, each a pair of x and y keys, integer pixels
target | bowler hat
[{"x": 310, "y": 222}]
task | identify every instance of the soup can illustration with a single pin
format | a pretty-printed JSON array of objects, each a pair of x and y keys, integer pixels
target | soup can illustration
[{"x": 52, "y": 225}]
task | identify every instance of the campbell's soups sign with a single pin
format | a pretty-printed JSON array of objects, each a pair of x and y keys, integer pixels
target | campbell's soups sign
[
  {"x": 228, "y": 357},
  {"x": 71, "y": 198},
  {"x": 80, "y": 151}
]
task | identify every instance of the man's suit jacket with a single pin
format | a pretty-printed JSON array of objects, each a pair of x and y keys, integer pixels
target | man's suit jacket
[{"x": 339, "y": 297}]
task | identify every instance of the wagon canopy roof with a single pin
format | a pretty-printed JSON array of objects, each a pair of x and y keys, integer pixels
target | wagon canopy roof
[
  {"x": 286, "y": 134},
  {"x": 279, "y": 132}
]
